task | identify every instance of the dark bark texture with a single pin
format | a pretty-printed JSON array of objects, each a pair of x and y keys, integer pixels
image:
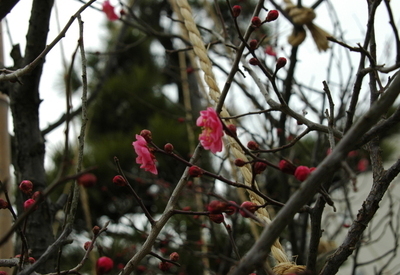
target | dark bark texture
[
  {"x": 6, "y": 6},
  {"x": 29, "y": 152}
]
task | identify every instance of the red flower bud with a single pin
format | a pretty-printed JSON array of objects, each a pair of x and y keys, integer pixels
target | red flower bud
[
  {"x": 232, "y": 130},
  {"x": 87, "y": 245},
  {"x": 249, "y": 206},
  {"x": 236, "y": 11},
  {"x": 256, "y": 22},
  {"x": 28, "y": 204},
  {"x": 240, "y": 162},
  {"x": 302, "y": 173},
  {"x": 95, "y": 230},
  {"x": 270, "y": 50},
  {"x": 195, "y": 171},
  {"x": 87, "y": 180},
  {"x": 217, "y": 218},
  {"x": 26, "y": 186},
  {"x": 272, "y": 15},
  {"x": 36, "y": 195},
  {"x": 281, "y": 62},
  {"x": 216, "y": 207},
  {"x": 253, "y": 44},
  {"x": 146, "y": 134},
  {"x": 119, "y": 180},
  {"x": 287, "y": 167},
  {"x": 259, "y": 167},
  {"x": 31, "y": 260},
  {"x": 164, "y": 266},
  {"x": 231, "y": 208},
  {"x": 174, "y": 256},
  {"x": 254, "y": 61},
  {"x": 252, "y": 145},
  {"x": 3, "y": 204},
  {"x": 352, "y": 154},
  {"x": 168, "y": 148},
  {"x": 362, "y": 165},
  {"x": 104, "y": 265}
]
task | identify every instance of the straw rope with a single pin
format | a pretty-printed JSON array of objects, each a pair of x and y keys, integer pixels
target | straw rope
[
  {"x": 305, "y": 16},
  {"x": 206, "y": 66}
]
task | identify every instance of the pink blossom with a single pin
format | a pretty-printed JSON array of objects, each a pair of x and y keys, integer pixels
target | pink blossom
[
  {"x": 211, "y": 137},
  {"x": 108, "y": 9},
  {"x": 145, "y": 158}
]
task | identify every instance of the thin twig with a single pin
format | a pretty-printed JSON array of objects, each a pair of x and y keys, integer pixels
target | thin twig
[
  {"x": 135, "y": 195},
  {"x": 28, "y": 68}
]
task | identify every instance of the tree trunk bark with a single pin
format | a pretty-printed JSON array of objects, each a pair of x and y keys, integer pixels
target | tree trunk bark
[{"x": 28, "y": 141}]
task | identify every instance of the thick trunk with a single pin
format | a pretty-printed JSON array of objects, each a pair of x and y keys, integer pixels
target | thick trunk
[
  {"x": 28, "y": 141},
  {"x": 6, "y": 6}
]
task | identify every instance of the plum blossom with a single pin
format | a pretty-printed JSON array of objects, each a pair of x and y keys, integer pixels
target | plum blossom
[
  {"x": 145, "y": 157},
  {"x": 211, "y": 137},
  {"x": 108, "y": 9}
]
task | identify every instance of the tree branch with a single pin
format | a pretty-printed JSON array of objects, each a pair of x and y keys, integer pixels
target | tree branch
[{"x": 257, "y": 255}]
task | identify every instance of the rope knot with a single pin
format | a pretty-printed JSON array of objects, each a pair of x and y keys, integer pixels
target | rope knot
[{"x": 302, "y": 16}]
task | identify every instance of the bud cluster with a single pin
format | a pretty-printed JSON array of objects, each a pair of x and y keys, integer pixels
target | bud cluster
[
  {"x": 217, "y": 208},
  {"x": 271, "y": 16},
  {"x": 26, "y": 187}
]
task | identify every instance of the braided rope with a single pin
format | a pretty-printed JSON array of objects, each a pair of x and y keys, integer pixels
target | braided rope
[{"x": 206, "y": 66}]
